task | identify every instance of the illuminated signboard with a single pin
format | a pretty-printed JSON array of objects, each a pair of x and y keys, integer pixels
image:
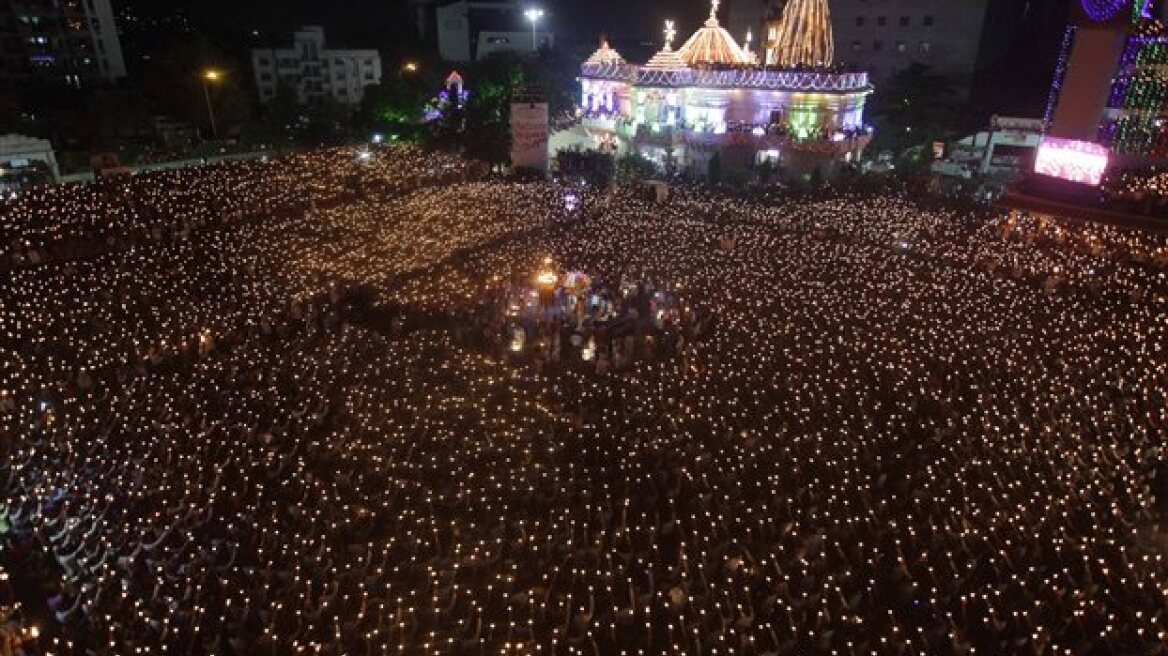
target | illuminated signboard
[{"x": 1077, "y": 161}]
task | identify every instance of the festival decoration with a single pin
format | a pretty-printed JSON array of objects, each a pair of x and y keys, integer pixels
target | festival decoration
[
  {"x": 803, "y": 35},
  {"x": 1060, "y": 74},
  {"x": 605, "y": 55},
  {"x": 1136, "y": 124},
  {"x": 712, "y": 44},
  {"x": 1103, "y": 10},
  {"x": 1142, "y": 10}
]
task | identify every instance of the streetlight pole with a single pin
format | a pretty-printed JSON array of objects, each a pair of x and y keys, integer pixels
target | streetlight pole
[
  {"x": 533, "y": 15},
  {"x": 208, "y": 77}
]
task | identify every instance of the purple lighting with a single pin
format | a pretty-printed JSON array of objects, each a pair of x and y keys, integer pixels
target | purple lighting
[{"x": 1102, "y": 10}]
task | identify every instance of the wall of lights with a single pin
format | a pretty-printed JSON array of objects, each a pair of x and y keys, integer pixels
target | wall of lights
[
  {"x": 1060, "y": 74},
  {"x": 1138, "y": 103},
  {"x": 1142, "y": 10}
]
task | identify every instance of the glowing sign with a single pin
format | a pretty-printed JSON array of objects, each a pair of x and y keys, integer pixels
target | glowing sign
[{"x": 1077, "y": 161}]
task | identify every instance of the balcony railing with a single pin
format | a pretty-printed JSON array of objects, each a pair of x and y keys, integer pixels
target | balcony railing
[
  {"x": 840, "y": 143},
  {"x": 669, "y": 136},
  {"x": 738, "y": 78}
]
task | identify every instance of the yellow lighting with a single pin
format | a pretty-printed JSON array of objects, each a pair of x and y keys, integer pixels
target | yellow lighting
[{"x": 212, "y": 75}]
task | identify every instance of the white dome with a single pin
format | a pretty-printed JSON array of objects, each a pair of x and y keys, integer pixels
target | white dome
[
  {"x": 605, "y": 55},
  {"x": 712, "y": 44}
]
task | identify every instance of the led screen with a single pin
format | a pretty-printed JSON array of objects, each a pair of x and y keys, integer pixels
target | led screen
[{"x": 1078, "y": 161}]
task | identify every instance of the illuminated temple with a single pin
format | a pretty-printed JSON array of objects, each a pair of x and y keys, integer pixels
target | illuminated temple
[{"x": 713, "y": 104}]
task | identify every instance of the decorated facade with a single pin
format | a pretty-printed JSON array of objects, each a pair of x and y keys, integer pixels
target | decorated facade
[
  {"x": 713, "y": 103},
  {"x": 1110, "y": 85},
  {"x": 1136, "y": 120}
]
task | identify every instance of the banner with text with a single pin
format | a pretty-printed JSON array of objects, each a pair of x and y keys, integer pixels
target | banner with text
[{"x": 529, "y": 136}]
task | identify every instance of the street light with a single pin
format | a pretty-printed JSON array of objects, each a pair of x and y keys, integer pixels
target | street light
[
  {"x": 533, "y": 14},
  {"x": 211, "y": 76},
  {"x": 410, "y": 67}
]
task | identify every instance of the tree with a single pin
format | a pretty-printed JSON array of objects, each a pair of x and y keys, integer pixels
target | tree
[
  {"x": 398, "y": 100},
  {"x": 714, "y": 170},
  {"x": 172, "y": 82},
  {"x": 765, "y": 170},
  {"x": 278, "y": 120},
  {"x": 481, "y": 128},
  {"x": 326, "y": 122},
  {"x": 485, "y": 122},
  {"x": 555, "y": 73},
  {"x": 915, "y": 107},
  {"x": 634, "y": 168},
  {"x": 111, "y": 117},
  {"x": 595, "y": 168}
]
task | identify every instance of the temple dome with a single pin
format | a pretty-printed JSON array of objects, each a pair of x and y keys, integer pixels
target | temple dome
[
  {"x": 666, "y": 58},
  {"x": 605, "y": 55},
  {"x": 712, "y": 44}
]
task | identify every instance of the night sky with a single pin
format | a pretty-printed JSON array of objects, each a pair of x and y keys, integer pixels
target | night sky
[
  {"x": 376, "y": 22},
  {"x": 1017, "y": 83}
]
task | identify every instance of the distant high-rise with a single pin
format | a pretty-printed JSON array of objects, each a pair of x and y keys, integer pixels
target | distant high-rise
[
  {"x": 314, "y": 73},
  {"x": 149, "y": 29},
  {"x": 886, "y": 37},
  {"x": 67, "y": 42},
  {"x": 954, "y": 38},
  {"x": 473, "y": 29},
  {"x": 422, "y": 15}
]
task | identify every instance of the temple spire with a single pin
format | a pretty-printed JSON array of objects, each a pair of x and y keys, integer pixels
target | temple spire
[
  {"x": 803, "y": 35},
  {"x": 712, "y": 21}
]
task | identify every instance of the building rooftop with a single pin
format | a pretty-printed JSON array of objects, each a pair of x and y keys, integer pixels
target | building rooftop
[
  {"x": 605, "y": 55},
  {"x": 712, "y": 44}
]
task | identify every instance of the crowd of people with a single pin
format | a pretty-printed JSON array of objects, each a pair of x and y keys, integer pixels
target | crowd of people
[
  {"x": 571, "y": 319},
  {"x": 1143, "y": 191},
  {"x": 240, "y": 414}
]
